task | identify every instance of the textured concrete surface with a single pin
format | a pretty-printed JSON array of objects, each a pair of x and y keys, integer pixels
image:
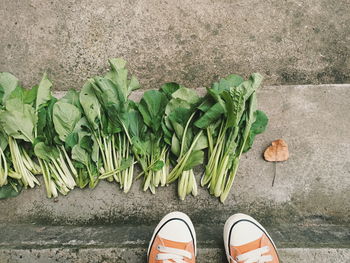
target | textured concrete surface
[
  {"x": 191, "y": 42},
  {"x": 28, "y": 236},
  {"x": 312, "y": 187},
  {"x": 102, "y": 244},
  {"x": 306, "y": 210},
  {"x": 137, "y": 255}
]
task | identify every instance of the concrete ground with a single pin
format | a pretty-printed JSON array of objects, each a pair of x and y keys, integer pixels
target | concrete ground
[
  {"x": 311, "y": 187},
  {"x": 192, "y": 42},
  {"x": 306, "y": 210},
  {"x": 113, "y": 255}
]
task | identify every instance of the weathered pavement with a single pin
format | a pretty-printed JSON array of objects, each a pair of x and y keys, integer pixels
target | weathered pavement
[
  {"x": 307, "y": 209},
  {"x": 187, "y": 41},
  {"x": 113, "y": 255}
]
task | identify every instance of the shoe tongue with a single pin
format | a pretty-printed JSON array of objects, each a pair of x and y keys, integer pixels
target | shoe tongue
[
  {"x": 174, "y": 244},
  {"x": 246, "y": 247}
]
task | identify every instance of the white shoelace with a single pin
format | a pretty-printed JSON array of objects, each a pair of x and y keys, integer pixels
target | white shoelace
[
  {"x": 168, "y": 253},
  {"x": 254, "y": 256}
]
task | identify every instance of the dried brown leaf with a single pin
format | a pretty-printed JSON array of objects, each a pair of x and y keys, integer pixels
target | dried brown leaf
[{"x": 277, "y": 152}]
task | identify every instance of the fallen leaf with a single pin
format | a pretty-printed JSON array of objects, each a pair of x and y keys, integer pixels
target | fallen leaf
[{"x": 277, "y": 152}]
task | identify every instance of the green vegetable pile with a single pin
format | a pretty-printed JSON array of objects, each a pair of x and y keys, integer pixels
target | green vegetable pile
[{"x": 100, "y": 134}]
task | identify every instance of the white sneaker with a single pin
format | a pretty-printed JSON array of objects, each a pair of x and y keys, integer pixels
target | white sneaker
[
  {"x": 173, "y": 240},
  {"x": 246, "y": 241}
]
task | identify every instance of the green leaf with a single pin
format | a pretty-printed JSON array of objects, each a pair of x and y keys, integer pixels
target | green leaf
[
  {"x": 17, "y": 93},
  {"x": 167, "y": 133},
  {"x": 119, "y": 75},
  {"x": 80, "y": 155},
  {"x": 65, "y": 117},
  {"x": 46, "y": 152},
  {"x": 95, "y": 150},
  {"x": 126, "y": 163},
  {"x": 133, "y": 84},
  {"x": 152, "y": 107},
  {"x": 8, "y": 83},
  {"x": 158, "y": 165},
  {"x": 202, "y": 143},
  {"x": 212, "y": 115},
  {"x": 260, "y": 123},
  {"x": 90, "y": 104},
  {"x": 117, "y": 63},
  {"x": 30, "y": 95},
  {"x": 195, "y": 158},
  {"x": 252, "y": 84},
  {"x": 18, "y": 120},
  {"x": 86, "y": 143},
  {"x": 44, "y": 91},
  {"x": 178, "y": 128},
  {"x": 42, "y": 120},
  {"x": 180, "y": 116},
  {"x": 249, "y": 120},
  {"x": 3, "y": 140},
  {"x": 135, "y": 124},
  {"x": 175, "y": 145},
  {"x": 259, "y": 126},
  {"x": 206, "y": 104},
  {"x": 169, "y": 88},
  {"x": 2, "y": 93},
  {"x": 26, "y": 96},
  {"x": 173, "y": 104},
  {"x": 8, "y": 191},
  {"x": 235, "y": 103},
  {"x": 72, "y": 97},
  {"x": 228, "y": 83},
  {"x": 71, "y": 140},
  {"x": 138, "y": 146},
  {"x": 45, "y": 126},
  {"x": 82, "y": 126},
  {"x": 84, "y": 138},
  {"x": 109, "y": 93},
  {"x": 234, "y": 80},
  {"x": 188, "y": 95}
]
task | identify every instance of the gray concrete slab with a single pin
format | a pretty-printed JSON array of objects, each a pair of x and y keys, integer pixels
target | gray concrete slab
[
  {"x": 191, "y": 42},
  {"x": 28, "y": 236},
  {"x": 312, "y": 187},
  {"x": 115, "y": 255}
]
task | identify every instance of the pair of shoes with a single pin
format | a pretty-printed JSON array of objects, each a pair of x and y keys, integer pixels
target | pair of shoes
[{"x": 246, "y": 241}]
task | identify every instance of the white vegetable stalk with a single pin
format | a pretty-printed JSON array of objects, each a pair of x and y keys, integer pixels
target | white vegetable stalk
[
  {"x": 113, "y": 154},
  {"x": 3, "y": 168},
  {"x": 22, "y": 167}
]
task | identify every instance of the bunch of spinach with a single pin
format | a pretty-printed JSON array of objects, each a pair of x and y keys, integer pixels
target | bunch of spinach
[
  {"x": 10, "y": 183},
  {"x": 187, "y": 142},
  {"x": 56, "y": 165},
  {"x": 231, "y": 120},
  {"x": 106, "y": 107},
  {"x": 17, "y": 119},
  {"x": 73, "y": 130},
  {"x": 148, "y": 139}
]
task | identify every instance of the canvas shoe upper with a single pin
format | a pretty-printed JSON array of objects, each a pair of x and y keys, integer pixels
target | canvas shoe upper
[
  {"x": 246, "y": 241},
  {"x": 173, "y": 241}
]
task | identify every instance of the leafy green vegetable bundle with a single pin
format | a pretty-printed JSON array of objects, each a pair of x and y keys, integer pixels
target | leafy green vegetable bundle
[
  {"x": 107, "y": 108},
  {"x": 17, "y": 121},
  {"x": 100, "y": 134},
  {"x": 187, "y": 141},
  {"x": 231, "y": 120},
  {"x": 148, "y": 139}
]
